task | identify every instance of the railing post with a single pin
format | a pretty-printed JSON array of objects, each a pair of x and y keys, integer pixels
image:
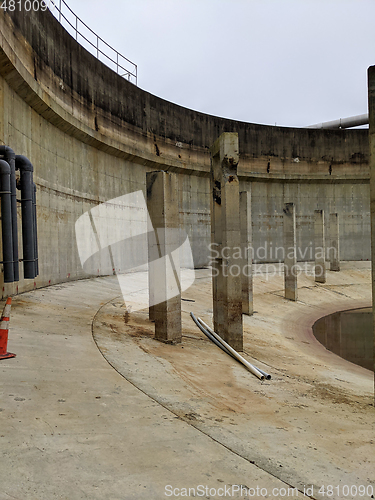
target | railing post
[{"x": 129, "y": 74}]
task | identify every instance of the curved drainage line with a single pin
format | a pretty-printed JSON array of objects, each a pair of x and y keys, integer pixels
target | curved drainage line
[
  {"x": 228, "y": 349},
  {"x": 6, "y": 222},
  {"x": 10, "y": 158}
]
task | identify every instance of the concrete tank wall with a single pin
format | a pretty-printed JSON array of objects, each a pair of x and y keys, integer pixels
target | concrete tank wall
[{"x": 92, "y": 136}]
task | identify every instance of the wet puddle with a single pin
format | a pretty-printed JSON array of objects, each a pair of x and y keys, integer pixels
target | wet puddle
[{"x": 348, "y": 334}]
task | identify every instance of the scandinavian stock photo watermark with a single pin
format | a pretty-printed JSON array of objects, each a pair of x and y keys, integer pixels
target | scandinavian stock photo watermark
[
  {"x": 266, "y": 260},
  {"x": 117, "y": 237}
]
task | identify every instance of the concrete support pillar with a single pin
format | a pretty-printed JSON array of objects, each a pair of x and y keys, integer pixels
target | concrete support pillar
[
  {"x": 319, "y": 229},
  {"x": 246, "y": 253},
  {"x": 163, "y": 248},
  {"x": 226, "y": 240},
  {"x": 334, "y": 242},
  {"x": 152, "y": 256},
  {"x": 371, "y": 109},
  {"x": 290, "y": 252}
]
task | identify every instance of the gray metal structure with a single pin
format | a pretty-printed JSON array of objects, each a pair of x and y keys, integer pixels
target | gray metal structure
[
  {"x": 10, "y": 157},
  {"x": 94, "y": 44},
  {"x": 24, "y": 165},
  {"x": 6, "y": 222},
  {"x": 352, "y": 121}
]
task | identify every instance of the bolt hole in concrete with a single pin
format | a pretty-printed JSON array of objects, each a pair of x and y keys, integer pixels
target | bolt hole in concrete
[{"x": 348, "y": 334}]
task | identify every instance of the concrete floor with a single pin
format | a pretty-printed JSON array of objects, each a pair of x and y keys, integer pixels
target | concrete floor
[{"x": 74, "y": 427}]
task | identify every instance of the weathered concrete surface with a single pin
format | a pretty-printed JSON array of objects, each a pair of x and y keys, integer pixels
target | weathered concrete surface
[
  {"x": 164, "y": 260},
  {"x": 312, "y": 424},
  {"x": 92, "y": 136},
  {"x": 226, "y": 240},
  {"x": 348, "y": 198},
  {"x": 320, "y": 248},
  {"x": 290, "y": 249},
  {"x": 247, "y": 254},
  {"x": 334, "y": 242},
  {"x": 73, "y": 428}
]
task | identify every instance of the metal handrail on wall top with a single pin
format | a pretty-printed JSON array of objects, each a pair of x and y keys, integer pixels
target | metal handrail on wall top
[{"x": 115, "y": 61}]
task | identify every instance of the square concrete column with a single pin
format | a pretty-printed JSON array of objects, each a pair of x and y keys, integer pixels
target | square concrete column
[
  {"x": 246, "y": 253},
  {"x": 163, "y": 248},
  {"x": 226, "y": 240},
  {"x": 216, "y": 257},
  {"x": 153, "y": 255},
  {"x": 290, "y": 252},
  {"x": 371, "y": 111},
  {"x": 320, "y": 259},
  {"x": 334, "y": 242}
]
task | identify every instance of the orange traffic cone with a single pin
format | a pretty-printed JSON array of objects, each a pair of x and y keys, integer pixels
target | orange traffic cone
[{"x": 4, "y": 327}]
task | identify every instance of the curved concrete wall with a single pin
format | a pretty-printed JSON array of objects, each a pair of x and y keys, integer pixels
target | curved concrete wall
[{"x": 92, "y": 136}]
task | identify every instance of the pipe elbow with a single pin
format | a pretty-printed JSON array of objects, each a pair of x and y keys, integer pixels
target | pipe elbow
[
  {"x": 23, "y": 164},
  {"x": 4, "y": 167},
  {"x": 7, "y": 152}
]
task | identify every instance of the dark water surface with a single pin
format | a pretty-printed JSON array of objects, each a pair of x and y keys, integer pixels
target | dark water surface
[{"x": 348, "y": 334}]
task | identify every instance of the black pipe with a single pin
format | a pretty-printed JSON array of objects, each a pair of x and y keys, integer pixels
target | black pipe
[
  {"x": 6, "y": 222},
  {"x": 10, "y": 157},
  {"x": 35, "y": 226},
  {"x": 24, "y": 165}
]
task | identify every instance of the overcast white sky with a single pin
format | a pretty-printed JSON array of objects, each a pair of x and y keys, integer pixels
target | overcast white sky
[{"x": 290, "y": 62}]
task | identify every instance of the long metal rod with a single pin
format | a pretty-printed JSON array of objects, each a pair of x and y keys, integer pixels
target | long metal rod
[
  {"x": 242, "y": 360},
  {"x": 219, "y": 344},
  {"x": 209, "y": 336},
  {"x": 231, "y": 352}
]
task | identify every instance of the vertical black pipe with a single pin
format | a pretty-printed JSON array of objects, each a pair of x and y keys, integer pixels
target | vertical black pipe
[
  {"x": 10, "y": 157},
  {"x": 6, "y": 222},
  {"x": 24, "y": 165},
  {"x": 35, "y": 232}
]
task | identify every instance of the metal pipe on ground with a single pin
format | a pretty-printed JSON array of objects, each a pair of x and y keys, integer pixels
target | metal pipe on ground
[
  {"x": 6, "y": 222},
  {"x": 209, "y": 336},
  {"x": 10, "y": 158},
  {"x": 213, "y": 339},
  {"x": 216, "y": 339},
  {"x": 24, "y": 165},
  {"x": 242, "y": 360}
]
